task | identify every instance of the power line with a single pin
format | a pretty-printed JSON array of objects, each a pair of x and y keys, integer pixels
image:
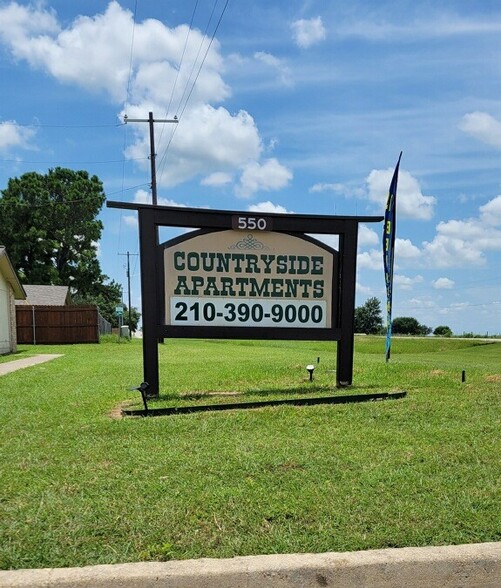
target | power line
[
  {"x": 50, "y": 126},
  {"x": 181, "y": 60},
  {"x": 107, "y": 161},
  {"x": 129, "y": 78},
  {"x": 128, "y": 189},
  {"x": 162, "y": 161},
  {"x": 205, "y": 56},
  {"x": 197, "y": 55}
]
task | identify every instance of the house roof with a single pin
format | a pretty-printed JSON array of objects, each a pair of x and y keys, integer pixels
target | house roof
[
  {"x": 9, "y": 273},
  {"x": 47, "y": 295}
]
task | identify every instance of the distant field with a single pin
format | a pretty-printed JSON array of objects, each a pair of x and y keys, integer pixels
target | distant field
[{"x": 78, "y": 487}]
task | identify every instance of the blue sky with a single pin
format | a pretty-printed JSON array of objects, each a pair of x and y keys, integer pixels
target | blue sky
[{"x": 295, "y": 106}]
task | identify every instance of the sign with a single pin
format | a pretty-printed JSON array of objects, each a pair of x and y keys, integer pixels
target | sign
[
  {"x": 250, "y": 223},
  {"x": 119, "y": 310},
  {"x": 248, "y": 279},
  {"x": 246, "y": 276}
]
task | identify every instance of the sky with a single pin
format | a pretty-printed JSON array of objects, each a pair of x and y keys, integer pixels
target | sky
[{"x": 299, "y": 107}]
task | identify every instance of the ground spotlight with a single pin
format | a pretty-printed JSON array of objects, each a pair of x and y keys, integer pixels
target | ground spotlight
[{"x": 310, "y": 369}]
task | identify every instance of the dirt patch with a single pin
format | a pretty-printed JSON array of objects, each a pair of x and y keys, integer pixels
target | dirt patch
[
  {"x": 494, "y": 378},
  {"x": 437, "y": 373},
  {"x": 116, "y": 412}
]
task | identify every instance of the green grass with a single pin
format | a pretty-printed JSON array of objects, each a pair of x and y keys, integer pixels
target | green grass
[{"x": 78, "y": 487}]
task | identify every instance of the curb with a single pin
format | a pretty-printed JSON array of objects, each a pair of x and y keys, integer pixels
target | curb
[{"x": 458, "y": 566}]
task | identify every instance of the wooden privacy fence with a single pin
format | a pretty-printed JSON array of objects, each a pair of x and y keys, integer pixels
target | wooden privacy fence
[{"x": 57, "y": 324}]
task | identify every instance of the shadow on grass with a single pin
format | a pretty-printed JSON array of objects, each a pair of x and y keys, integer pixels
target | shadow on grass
[
  {"x": 296, "y": 401},
  {"x": 219, "y": 396},
  {"x": 16, "y": 355}
]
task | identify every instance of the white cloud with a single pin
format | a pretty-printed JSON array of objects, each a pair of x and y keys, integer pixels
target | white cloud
[
  {"x": 130, "y": 220},
  {"x": 411, "y": 202},
  {"x": 268, "y": 206},
  {"x": 363, "y": 289},
  {"x": 331, "y": 240},
  {"x": 277, "y": 64},
  {"x": 206, "y": 138},
  {"x": 341, "y": 189},
  {"x": 443, "y": 284},
  {"x": 483, "y": 127},
  {"x": 463, "y": 243},
  {"x": 457, "y": 243},
  {"x": 367, "y": 236},
  {"x": 321, "y": 187},
  {"x": 271, "y": 175},
  {"x": 437, "y": 24},
  {"x": 405, "y": 249},
  {"x": 94, "y": 53},
  {"x": 406, "y": 282},
  {"x": 372, "y": 259},
  {"x": 405, "y": 252},
  {"x": 446, "y": 251},
  {"x": 143, "y": 197},
  {"x": 217, "y": 179},
  {"x": 490, "y": 213},
  {"x": 308, "y": 32},
  {"x": 17, "y": 22},
  {"x": 13, "y": 135}
]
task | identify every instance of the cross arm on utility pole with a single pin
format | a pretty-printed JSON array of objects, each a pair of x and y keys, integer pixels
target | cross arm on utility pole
[{"x": 150, "y": 120}]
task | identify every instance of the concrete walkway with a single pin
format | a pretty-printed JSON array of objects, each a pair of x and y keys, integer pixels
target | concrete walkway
[
  {"x": 19, "y": 364},
  {"x": 456, "y": 566}
]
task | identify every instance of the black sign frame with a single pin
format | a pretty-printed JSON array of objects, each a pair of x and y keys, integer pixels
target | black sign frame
[{"x": 151, "y": 217}]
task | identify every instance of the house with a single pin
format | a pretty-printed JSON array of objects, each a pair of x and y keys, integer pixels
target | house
[
  {"x": 11, "y": 290},
  {"x": 46, "y": 296}
]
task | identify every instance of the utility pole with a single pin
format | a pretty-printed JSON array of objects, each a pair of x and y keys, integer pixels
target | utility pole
[
  {"x": 128, "y": 288},
  {"x": 150, "y": 120}
]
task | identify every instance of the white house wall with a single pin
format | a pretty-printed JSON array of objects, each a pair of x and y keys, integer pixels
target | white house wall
[{"x": 6, "y": 339}]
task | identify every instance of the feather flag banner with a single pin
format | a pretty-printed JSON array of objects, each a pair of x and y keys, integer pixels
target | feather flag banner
[{"x": 389, "y": 232}]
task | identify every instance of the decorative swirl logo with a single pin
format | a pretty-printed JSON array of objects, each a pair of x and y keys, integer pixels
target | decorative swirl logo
[{"x": 249, "y": 242}]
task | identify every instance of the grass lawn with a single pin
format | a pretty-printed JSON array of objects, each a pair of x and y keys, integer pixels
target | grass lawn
[{"x": 78, "y": 487}]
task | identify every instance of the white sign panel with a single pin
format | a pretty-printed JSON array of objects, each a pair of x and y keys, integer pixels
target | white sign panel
[{"x": 248, "y": 279}]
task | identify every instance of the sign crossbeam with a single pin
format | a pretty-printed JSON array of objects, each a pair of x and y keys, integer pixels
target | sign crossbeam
[{"x": 174, "y": 216}]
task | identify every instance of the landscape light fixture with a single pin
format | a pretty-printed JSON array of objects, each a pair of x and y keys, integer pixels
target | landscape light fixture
[
  {"x": 143, "y": 388},
  {"x": 310, "y": 369}
]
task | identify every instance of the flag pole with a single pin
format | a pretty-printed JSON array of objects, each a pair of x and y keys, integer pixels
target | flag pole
[{"x": 389, "y": 232}]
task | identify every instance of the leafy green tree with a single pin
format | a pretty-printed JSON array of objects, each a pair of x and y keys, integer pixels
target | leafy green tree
[
  {"x": 108, "y": 297},
  {"x": 50, "y": 228},
  {"x": 442, "y": 331},
  {"x": 407, "y": 325},
  {"x": 135, "y": 315},
  {"x": 368, "y": 317}
]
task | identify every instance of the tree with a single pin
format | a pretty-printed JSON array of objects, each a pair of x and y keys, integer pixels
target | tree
[
  {"x": 407, "y": 325},
  {"x": 50, "y": 228},
  {"x": 109, "y": 296},
  {"x": 368, "y": 317},
  {"x": 442, "y": 331}
]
